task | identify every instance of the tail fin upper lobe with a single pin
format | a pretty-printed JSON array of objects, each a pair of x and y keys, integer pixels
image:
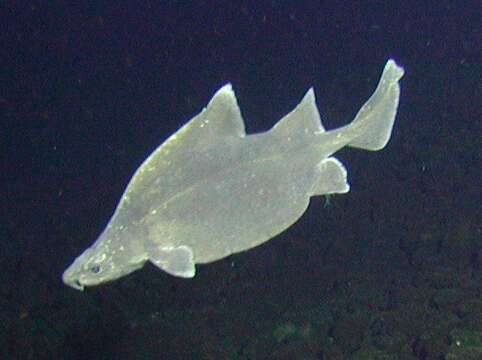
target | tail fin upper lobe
[{"x": 376, "y": 117}]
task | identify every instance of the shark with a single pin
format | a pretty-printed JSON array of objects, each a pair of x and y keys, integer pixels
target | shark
[{"x": 211, "y": 190}]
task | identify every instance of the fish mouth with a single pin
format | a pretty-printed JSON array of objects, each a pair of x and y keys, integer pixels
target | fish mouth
[
  {"x": 76, "y": 284},
  {"x": 71, "y": 280}
]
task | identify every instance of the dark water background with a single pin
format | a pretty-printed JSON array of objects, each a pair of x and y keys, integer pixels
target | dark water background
[{"x": 391, "y": 270}]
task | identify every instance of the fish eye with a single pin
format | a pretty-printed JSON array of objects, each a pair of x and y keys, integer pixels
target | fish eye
[{"x": 95, "y": 269}]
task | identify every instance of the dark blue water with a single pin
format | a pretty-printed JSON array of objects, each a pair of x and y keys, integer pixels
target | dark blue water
[{"x": 391, "y": 270}]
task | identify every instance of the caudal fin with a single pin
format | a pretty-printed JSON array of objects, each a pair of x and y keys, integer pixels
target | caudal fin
[{"x": 374, "y": 120}]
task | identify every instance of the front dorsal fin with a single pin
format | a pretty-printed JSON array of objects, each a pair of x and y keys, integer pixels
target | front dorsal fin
[{"x": 221, "y": 118}]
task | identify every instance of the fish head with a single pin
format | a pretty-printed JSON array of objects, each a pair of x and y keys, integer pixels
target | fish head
[{"x": 101, "y": 263}]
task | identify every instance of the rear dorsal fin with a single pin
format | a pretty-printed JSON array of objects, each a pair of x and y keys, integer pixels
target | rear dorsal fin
[{"x": 303, "y": 120}]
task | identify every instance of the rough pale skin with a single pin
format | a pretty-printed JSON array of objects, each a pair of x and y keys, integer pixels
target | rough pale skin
[{"x": 210, "y": 190}]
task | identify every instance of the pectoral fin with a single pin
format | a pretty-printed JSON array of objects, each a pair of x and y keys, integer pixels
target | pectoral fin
[{"x": 177, "y": 261}]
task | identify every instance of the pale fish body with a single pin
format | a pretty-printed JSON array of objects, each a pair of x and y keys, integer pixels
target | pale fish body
[{"x": 210, "y": 190}]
